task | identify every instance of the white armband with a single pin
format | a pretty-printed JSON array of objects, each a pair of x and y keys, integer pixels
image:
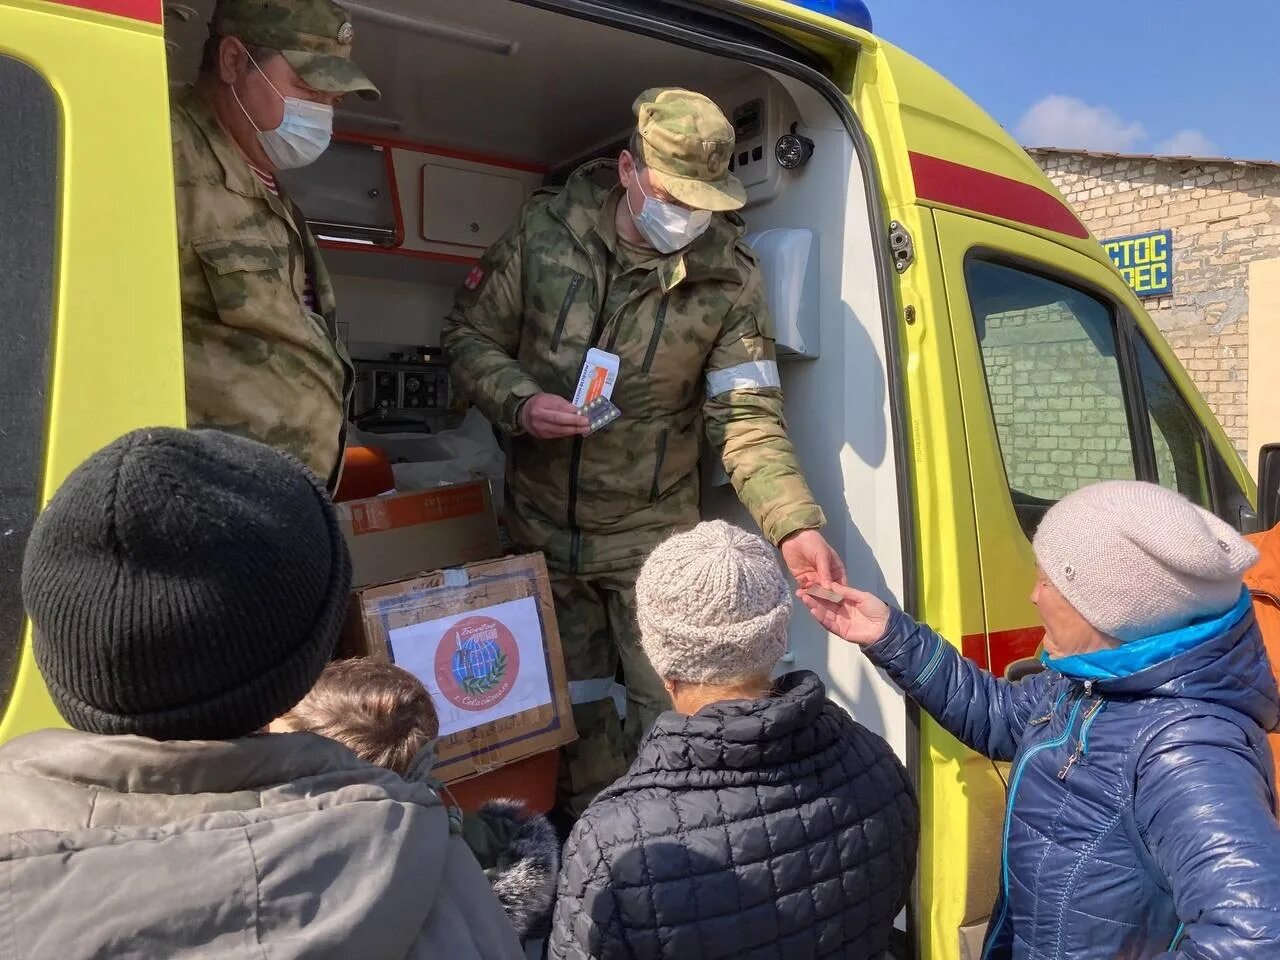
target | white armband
[{"x": 752, "y": 375}]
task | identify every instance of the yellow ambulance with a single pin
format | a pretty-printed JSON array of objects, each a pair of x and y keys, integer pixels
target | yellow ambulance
[{"x": 957, "y": 351}]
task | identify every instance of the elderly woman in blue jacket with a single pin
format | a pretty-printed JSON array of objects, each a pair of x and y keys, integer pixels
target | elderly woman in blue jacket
[{"x": 1141, "y": 812}]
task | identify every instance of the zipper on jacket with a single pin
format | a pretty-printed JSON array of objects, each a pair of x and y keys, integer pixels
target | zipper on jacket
[
  {"x": 572, "y": 292},
  {"x": 1037, "y": 721},
  {"x": 1081, "y": 753},
  {"x": 1008, "y": 821},
  {"x": 1264, "y": 595},
  {"x": 575, "y": 459},
  {"x": 575, "y": 464},
  {"x": 656, "y": 489},
  {"x": 656, "y": 338}
]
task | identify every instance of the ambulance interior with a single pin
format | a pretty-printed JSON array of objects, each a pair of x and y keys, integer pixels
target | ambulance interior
[{"x": 484, "y": 102}]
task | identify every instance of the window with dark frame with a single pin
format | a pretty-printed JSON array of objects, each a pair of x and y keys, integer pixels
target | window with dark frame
[
  {"x": 1050, "y": 354},
  {"x": 1056, "y": 380},
  {"x": 1181, "y": 462}
]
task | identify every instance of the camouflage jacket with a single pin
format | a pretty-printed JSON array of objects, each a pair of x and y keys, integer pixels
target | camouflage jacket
[
  {"x": 694, "y": 337},
  {"x": 258, "y": 362}
]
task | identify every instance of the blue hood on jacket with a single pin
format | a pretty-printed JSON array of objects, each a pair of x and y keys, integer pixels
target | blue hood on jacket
[{"x": 1218, "y": 659}]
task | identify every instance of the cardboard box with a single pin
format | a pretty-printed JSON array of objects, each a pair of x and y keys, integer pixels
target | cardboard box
[
  {"x": 405, "y": 534},
  {"x": 483, "y": 639}
]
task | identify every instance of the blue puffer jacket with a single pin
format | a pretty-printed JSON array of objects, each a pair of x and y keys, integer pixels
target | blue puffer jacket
[{"x": 1141, "y": 814}]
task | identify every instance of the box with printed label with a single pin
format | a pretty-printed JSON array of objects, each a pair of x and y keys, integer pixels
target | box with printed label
[
  {"x": 483, "y": 640},
  {"x": 394, "y": 537}
]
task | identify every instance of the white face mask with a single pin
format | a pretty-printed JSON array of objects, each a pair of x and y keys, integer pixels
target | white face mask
[
  {"x": 303, "y": 134},
  {"x": 667, "y": 226}
]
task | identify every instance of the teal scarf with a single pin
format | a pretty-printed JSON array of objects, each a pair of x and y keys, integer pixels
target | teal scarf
[{"x": 1137, "y": 655}]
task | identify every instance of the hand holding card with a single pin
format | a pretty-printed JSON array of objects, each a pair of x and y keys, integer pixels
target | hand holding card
[
  {"x": 858, "y": 617},
  {"x": 822, "y": 593}
]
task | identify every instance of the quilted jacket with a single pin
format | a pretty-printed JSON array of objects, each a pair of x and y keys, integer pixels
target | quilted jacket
[
  {"x": 754, "y": 829},
  {"x": 1140, "y": 815}
]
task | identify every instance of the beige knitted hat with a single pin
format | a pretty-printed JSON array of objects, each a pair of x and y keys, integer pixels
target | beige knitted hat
[
  {"x": 713, "y": 606},
  {"x": 1136, "y": 560}
]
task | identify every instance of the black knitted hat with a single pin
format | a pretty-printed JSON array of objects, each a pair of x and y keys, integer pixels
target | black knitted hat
[{"x": 185, "y": 586}]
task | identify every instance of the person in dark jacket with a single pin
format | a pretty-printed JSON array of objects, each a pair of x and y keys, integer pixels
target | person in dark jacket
[
  {"x": 758, "y": 821},
  {"x": 184, "y": 589},
  {"x": 384, "y": 715},
  {"x": 1140, "y": 820}
]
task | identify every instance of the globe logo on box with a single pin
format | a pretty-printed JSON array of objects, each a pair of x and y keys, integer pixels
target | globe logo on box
[{"x": 477, "y": 662}]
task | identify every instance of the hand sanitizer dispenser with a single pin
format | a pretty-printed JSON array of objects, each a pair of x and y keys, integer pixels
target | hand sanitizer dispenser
[
  {"x": 789, "y": 269},
  {"x": 789, "y": 272}
]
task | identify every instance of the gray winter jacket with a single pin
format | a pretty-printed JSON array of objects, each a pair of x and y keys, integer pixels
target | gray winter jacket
[{"x": 273, "y": 847}]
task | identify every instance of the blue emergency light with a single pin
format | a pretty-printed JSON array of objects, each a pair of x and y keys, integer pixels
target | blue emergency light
[{"x": 853, "y": 12}]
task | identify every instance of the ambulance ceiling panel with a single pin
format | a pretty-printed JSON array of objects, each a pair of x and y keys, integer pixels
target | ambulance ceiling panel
[{"x": 492, "y": 76}]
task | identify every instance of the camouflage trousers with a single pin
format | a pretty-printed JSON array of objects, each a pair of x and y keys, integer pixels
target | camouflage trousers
[{"x": 597, "y": 619}]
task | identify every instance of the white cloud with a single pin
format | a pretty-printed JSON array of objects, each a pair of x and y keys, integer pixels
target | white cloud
[
  {"x": 1061, "y": 121},
  {"x": 1188, "y": 143}
]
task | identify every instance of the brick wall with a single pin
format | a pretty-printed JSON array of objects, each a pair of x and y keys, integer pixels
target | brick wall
[
  {"x": 1057, "y": 402},
  {"x": 1223, "y": 216}
]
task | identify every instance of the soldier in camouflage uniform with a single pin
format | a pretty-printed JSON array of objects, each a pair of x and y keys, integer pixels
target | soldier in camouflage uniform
[
  {"x": 262, "y": 356},
  {"x": 641, "y": 258}
]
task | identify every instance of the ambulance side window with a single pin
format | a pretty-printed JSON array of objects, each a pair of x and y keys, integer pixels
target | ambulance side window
[
  {"x": 1185, "y": 458},
  {"x": 29, "y": 198},
  {"x": 1181, "y": 463},
  {"x": 1054, "y": 380}
]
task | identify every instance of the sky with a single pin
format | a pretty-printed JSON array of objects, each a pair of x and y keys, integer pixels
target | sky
[{"x": 1130, "y": 76}]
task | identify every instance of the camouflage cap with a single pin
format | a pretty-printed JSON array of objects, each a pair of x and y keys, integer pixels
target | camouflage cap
[
  {"x": 313, "y": 35},
  {"x": 686, "y": 142}
]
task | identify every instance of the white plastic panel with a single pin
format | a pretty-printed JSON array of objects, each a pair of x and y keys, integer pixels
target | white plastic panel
[
  {"x": 466, "y": 207},
  {"x": 752, "y": 120},
  {"x": 761, "y": 112},
  {"x": 789, "y": 267}
]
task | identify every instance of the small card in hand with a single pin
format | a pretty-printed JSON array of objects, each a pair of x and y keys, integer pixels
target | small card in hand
[
  {"x": 600, "y": 412},
  {"x": 822, "y": 593}
]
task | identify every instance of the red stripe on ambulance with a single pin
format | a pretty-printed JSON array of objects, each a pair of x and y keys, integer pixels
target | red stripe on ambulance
[
  {"x": 1006, "y": 646},
  {"x": 150, "y": 11},
  {"x": 956, "y": 185}
]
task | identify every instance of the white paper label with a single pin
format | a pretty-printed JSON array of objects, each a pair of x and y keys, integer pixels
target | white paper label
[{"x": 479, "y": 666}]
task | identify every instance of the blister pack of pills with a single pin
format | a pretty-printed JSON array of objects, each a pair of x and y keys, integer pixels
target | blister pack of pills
[{"x": 600, "y": 412}]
